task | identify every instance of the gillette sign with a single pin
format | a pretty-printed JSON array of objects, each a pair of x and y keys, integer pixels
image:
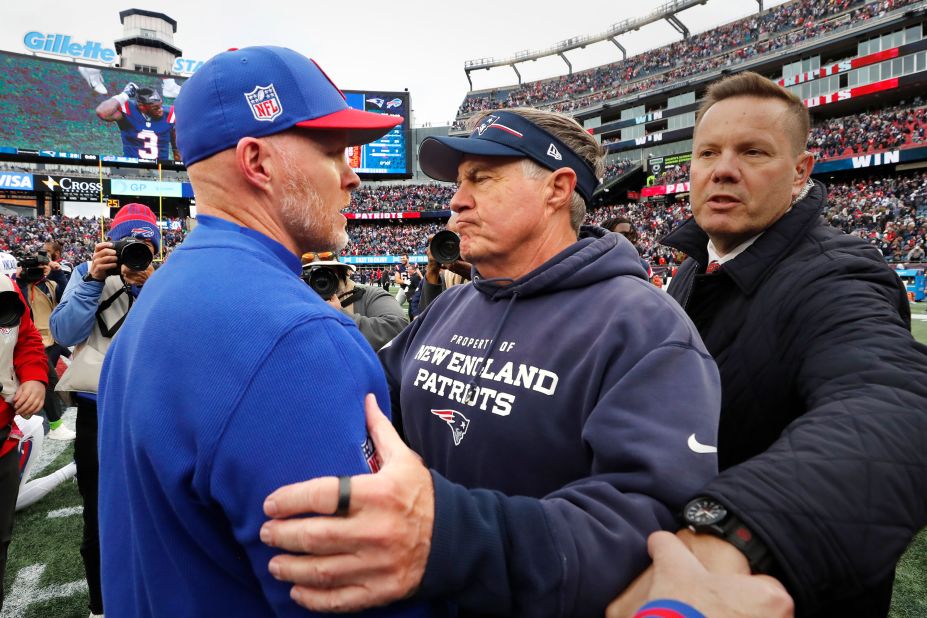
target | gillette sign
[{"x": 62, "y": 45}]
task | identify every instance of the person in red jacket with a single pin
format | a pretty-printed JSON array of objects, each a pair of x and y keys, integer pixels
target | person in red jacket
[{"x": 23, "y": 376}]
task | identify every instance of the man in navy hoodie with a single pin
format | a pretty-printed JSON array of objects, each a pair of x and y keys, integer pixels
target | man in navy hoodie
[{"x": 566, "y": 408}]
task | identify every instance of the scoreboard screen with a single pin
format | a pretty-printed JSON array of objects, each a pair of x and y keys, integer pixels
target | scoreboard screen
[{"x": 389, "y": 156}]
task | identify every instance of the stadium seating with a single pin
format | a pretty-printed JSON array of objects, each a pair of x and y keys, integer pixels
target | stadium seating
[
  {"x": 884, "y": 129},
  {"x": 780, "y": 27},
  {"x": 371, "y": 197}
]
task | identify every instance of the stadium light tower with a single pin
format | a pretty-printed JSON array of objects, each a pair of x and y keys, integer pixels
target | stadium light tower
[{"x": 668, "y": 11}]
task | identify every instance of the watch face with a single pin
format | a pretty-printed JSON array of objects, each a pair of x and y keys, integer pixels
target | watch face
[{"x": 704, "y": 512}]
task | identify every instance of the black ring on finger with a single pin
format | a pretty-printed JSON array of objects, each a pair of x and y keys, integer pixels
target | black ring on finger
[{"x": 344, "y": 496}]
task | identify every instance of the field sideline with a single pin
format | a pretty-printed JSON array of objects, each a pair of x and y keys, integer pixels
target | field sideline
[{"x": 45, "y": 579}]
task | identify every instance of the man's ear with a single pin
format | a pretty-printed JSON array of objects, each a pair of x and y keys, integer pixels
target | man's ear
[
  {"x": 561, "y": 184},
  {"x": 803, "y": 167},
  {"x": 253, "y": 158}
]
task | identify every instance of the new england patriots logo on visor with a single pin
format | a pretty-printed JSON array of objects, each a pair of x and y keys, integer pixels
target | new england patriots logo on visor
[
  {"x": 456, "y": 421},
  {"x": 492, "y": 122},
  {"x": 264, "y": 103},
  {"x": 487, "y": 122}
]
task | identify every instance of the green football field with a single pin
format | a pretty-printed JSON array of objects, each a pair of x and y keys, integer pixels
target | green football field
[{"x": 45, "y": 579}]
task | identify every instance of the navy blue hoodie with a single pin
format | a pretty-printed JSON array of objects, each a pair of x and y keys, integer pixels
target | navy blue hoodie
[{"x": 564, "y": 417}]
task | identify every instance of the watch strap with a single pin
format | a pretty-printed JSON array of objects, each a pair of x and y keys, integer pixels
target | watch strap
[{"x": 735, "y": 531}]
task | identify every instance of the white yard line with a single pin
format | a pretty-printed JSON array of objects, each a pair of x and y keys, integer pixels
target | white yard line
[
  {"x": 26, "y": 591},
  {"x": 65, "y": 512}
]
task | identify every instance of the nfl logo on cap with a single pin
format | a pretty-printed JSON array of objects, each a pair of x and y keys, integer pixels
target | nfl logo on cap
[{"x": 264, "y": 103}]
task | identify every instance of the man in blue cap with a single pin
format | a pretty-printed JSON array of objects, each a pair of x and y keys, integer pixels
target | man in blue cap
[
  {"x": 537, "y": 396},
  {"x": 229, "y": 378}
]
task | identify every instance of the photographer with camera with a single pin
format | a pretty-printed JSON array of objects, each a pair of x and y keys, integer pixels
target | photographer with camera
[
  {"x": 378, "y": 315},
  {"x": 444, "y": 270},
  {"x": 42, "y": 295},
  {"x": 94, "y": 306}
]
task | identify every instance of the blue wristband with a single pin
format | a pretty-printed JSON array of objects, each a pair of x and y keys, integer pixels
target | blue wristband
[{"x": 668, "y": 608}]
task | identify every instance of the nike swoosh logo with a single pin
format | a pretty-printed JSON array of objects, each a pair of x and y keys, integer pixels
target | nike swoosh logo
[{"x": 697, "y": 447}]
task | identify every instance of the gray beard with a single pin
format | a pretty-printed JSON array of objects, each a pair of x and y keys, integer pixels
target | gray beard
[{"x": 304, "y": 216}]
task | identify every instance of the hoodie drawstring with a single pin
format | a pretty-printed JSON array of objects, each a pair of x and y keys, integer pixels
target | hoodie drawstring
[{"x": 505, "y": 315}]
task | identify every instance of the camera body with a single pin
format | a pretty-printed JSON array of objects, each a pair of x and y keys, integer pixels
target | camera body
[
  {"x": 33, "y": 267},
  {"x": 325, "y": 280},
  {"x": 133, "y": 253}
]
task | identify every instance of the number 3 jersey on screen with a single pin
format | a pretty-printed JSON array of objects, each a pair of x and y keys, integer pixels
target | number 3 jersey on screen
[{"x": 145, "y": 137}]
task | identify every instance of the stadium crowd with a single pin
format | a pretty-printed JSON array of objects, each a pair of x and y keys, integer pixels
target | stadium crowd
[
  {"x": 617, "y": 167},
  {"x": 889, "y": 211},
  {"x": 780, "y": 27},
  {"x": 78, "y": 235},
  {"x": 390, "y": 238},
  {"x": 372, "y": 197},
  {"x": 885, "y": 129}
]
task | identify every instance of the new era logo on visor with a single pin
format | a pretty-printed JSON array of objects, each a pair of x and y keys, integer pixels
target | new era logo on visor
[
  {"x": 264, "y": 103},
  {"x": 553, "y": 152}
]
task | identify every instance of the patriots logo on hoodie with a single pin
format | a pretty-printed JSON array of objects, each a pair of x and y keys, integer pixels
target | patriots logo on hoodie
[{"x": 456, "y": 421}]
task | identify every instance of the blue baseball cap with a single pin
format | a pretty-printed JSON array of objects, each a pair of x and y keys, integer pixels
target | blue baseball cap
[
  {"x": 505, "y": 134},
  {"x": 260, "y": 91}
]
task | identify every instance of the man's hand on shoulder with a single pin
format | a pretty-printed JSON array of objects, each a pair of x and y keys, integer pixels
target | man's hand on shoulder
[{"x": 377, "y": 553}]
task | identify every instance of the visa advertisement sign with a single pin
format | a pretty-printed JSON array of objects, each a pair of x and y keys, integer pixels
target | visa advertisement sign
[
  {"x": 63, "y": 45},
  {"x": 16, "y": 181}
]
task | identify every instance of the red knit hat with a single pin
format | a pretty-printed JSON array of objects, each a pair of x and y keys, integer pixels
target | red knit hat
[{"x": 136, "y": 220}]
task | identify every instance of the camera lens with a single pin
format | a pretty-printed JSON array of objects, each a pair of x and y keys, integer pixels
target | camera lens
[
  {"x": 134, "y": 253},
  {"x": 445, "y": 247},
  {"x": 324, "y": 281}
]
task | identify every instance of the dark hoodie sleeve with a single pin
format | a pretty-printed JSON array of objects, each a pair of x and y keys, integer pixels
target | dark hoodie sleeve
[{"x": 572, "y": 552}]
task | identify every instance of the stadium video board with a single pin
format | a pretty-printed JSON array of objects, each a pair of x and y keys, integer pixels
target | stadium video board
[
  {"x": 389, "y": 156},
  {"x": 51, "y": 108}
]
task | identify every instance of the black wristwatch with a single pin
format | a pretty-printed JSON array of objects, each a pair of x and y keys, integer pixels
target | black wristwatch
[
  {"x": 88, "y": 277},
  {"x": 707, "y": 515}
]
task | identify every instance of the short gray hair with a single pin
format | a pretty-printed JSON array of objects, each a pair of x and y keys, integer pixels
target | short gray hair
[{"x": 573, "y": 136}]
